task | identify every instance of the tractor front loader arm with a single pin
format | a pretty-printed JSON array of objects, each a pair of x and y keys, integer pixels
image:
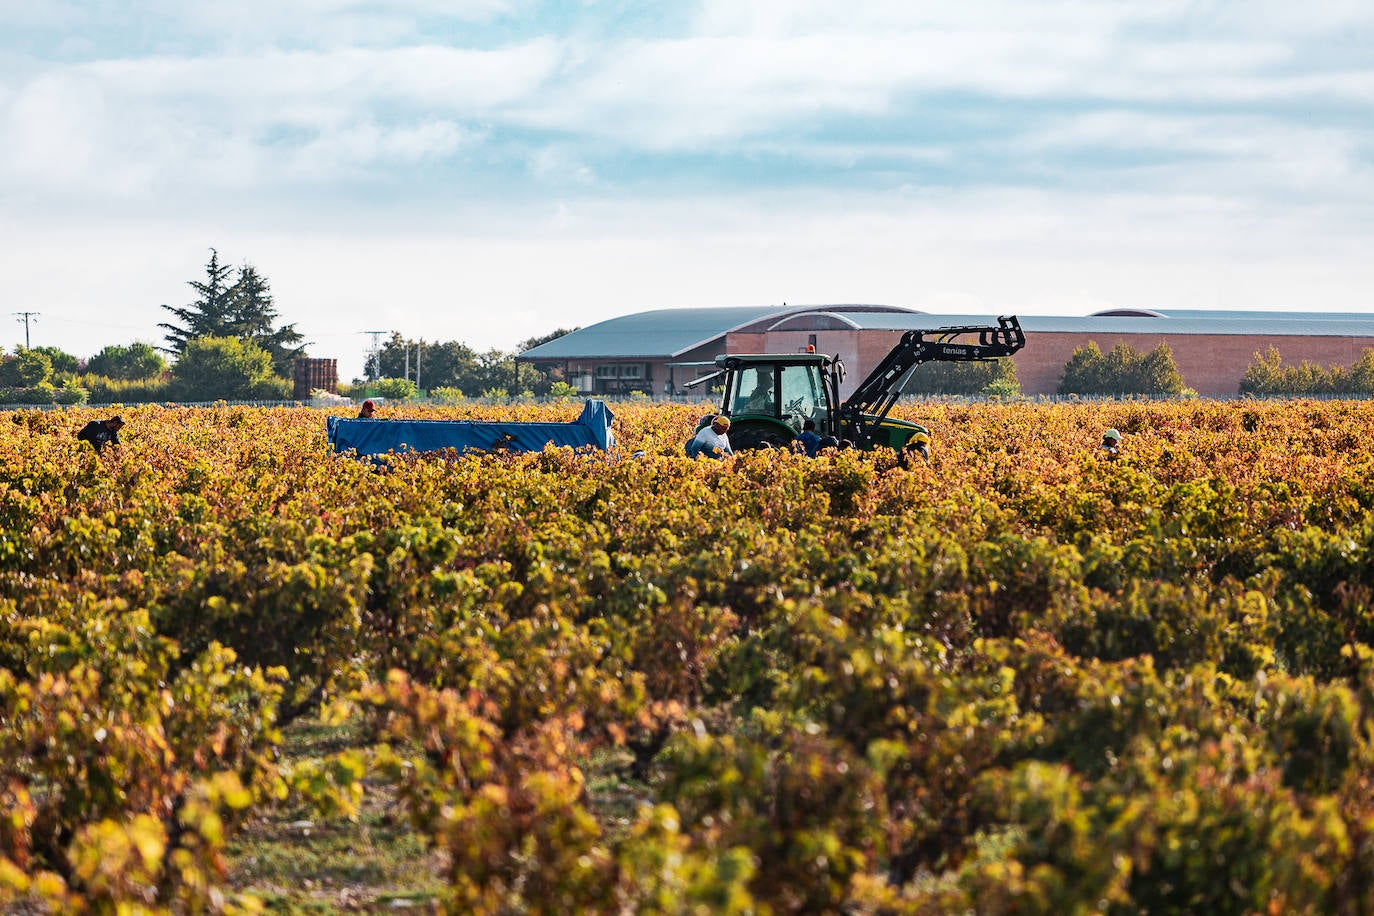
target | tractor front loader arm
[{"x": 878, "y": 392}]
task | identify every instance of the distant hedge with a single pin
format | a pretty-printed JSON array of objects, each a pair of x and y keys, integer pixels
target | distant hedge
[{"x": 44, "y": 393}]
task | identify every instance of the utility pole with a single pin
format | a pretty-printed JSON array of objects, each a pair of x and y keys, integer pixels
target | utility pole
[
  {"x": 375, "y": 348},
  {"x": 24, "y": 317},
  {"x": 418, "y": 345}
]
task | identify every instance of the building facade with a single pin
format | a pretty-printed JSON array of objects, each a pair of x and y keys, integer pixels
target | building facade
[{"x": 658, "y": 352}]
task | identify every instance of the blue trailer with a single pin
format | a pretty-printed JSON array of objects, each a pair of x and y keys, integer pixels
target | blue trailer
[{"x": 377, "y": 437}]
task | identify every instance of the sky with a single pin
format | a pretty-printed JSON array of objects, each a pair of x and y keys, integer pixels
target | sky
[{"x": 490, "y": 170}]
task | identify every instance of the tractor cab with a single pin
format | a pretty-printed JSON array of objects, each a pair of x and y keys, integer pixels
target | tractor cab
[{"x": 768, "y": 397}]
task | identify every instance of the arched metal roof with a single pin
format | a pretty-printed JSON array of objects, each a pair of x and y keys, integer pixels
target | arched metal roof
[
  {"x": 1126, "y": 313},
  {"x": 669, "y": 333}
]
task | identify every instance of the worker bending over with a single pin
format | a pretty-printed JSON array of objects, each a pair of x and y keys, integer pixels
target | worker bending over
[
  {"x": 1111, "y": 443},
  {"x": 712, "y": 441}
]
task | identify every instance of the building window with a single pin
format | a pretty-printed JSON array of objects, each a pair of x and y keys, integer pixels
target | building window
[
  {"x": 607, "y": 371},
  {"x": 632, "y": 370}
]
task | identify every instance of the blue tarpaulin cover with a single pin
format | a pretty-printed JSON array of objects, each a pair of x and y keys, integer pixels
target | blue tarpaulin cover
[{"x": 377, "y": 437}]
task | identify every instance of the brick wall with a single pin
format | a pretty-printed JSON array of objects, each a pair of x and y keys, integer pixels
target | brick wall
[
  {"x": 1211, "y": 364},
  {"x": 741, "y": 342}
]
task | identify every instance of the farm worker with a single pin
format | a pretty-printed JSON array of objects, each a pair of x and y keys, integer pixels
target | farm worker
[
  {"x": 712, "y": 441},
  {"x": 760, "y": 400},
  {"x": 100, "y": 433},
  {"x": 921, "y": 443},
  {"x": 809, "y": 441},
  {"x": 368, "y": 410},
  {"x": 1111, "y": 443}
]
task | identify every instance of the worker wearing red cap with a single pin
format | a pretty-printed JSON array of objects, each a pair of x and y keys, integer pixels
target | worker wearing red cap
[{"x": 368, "y": 410}]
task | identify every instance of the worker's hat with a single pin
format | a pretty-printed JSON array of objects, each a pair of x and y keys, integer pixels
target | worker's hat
[
  {"x": 722, "y": 421},
  {"x": 1112, "y": 434}
]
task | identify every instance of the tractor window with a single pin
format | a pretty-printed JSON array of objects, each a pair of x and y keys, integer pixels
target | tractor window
[
  {"x": 755, "y": 392},
  {"x": 803, "y": 396}
]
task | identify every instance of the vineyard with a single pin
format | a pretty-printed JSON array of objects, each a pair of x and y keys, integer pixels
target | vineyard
[{"x": 1019, "y": 678}]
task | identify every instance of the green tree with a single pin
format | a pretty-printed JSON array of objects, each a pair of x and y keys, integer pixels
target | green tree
[
  {"x": 543, "y": 378},
  {"x": 254, "y": 317},
  {"x": 210, "y": 315},
  {"x": 455, "y": 365},
  {"x": 1267, "y": 375},
  {"x": 1119, "y": 369},
  {"x": 211, "y": 368},
  {"x": 135, "y": 362},
  {"x": 496, "y": 370},
  {"x": 63, "y": 363},
  {"x": 532, "y": 342},
  {"x": 1123, "y": 371},
  {"x": 960, "y": 378},
  {"x": 25, "y": 369},
  {"x": 389, "y": 360},
  {"x": 1085, "y": 372},
  {"x": 1362, "y": 374},
  {"x": 447, "y": 364},
  {"x": 396, "y": 389},
  {"x": 1264, "y": 375},
  {"x": 241, "y": 308},
  {"x": 1006, "y": 383},
  {"x": 1157, "y": 374}
]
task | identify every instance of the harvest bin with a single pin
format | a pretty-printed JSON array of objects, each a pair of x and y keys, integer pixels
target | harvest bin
[{"x": 377, "y": 437}]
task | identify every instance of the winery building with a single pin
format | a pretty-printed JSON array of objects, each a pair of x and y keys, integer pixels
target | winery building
[{"x": 656, "y": 352}]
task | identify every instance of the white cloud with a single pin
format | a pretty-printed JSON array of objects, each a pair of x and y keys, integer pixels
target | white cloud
[
  {"x": 791, "y": 18},
  {"x": 693, "y": 93},
  {"x": 247, "y": 25},
  {"x": 1238, "y": 157},
  {"x": 121, "y": 127},
  {"x": 473, "y": 80},
  {"x": 872, "y": 17},
  {"x": 560, "y": 166},
  {"x": 759, "y": 72},
  {"x": 354, "y": 146}
]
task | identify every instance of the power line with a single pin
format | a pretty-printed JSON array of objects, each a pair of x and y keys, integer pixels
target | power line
[
  {"x": 96, "y": 324},
  {"x": 24, "y": 317}
]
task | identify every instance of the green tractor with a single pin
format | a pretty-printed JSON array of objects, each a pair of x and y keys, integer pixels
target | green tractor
[{"x": 769, "y": 397}]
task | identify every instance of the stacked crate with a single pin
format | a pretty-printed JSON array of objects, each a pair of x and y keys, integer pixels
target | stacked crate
[{"x": 311, "y": 373}]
